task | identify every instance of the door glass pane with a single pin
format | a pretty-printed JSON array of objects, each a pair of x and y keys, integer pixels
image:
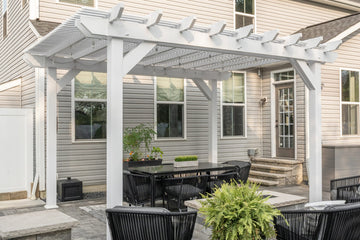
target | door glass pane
[
  {"x": 350, "y": 119},
  {"x": 170, "y": 89},
  {"x": 284, "y": 76},
  {"x": 286, "y": 117},
  {"x": 170, "y": 120},
  {"x": 90, "y": 85},
  {"x": 350, "y": 86}
]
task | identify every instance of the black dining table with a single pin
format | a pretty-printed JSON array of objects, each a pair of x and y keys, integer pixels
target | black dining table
[{"x": 168, "y": 169}]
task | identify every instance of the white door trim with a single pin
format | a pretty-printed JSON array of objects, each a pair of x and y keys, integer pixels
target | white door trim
[{"x": 273, "y": 110}]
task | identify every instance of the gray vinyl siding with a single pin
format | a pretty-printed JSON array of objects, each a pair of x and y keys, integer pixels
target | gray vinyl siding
[
  {"x": 10, "y": 98},
  {"x": 87, "y": 161},
  {"x": 348, "y": 58},
  {"x": 19, "y": 37},
  {"x": 289, "y": 16}
]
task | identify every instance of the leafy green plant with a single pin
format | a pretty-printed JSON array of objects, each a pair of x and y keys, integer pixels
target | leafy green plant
[
  {"x": 186, "y": 158},
  {"x": 238, "y": 212},
  {"x": 134, "y": 137},
  {"x": 156, "y": 153}
]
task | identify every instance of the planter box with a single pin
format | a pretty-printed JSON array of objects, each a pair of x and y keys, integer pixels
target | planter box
[
  {"x": 186, "y": 164},
  {"x": 146, "y": 163}
]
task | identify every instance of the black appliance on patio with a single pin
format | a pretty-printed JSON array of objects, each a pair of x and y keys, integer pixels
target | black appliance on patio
[{"x": 69, "y": 189}]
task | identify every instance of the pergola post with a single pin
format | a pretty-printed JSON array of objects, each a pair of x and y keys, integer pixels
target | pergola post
[
  {"x": 51, "y": 138},
  {"x": 315, "y": 156},
  {"x": 213, "y": 122},
  {"x": 114, "y": 145}
]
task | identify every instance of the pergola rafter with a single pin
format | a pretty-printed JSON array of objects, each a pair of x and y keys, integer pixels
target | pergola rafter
[{"x": 100, "y": 41}]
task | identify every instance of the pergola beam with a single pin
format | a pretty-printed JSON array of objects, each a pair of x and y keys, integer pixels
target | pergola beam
[
  {"x": 305, "y": 73},
  {"x": 171, "y": 37},
  {"x": 133, "y": 57},
  {"x": 204, "y": 88},
  {"x": 66, "y": 79}
]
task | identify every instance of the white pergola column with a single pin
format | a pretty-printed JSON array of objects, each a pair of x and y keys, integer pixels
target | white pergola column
[
  {"x": 114, "y": 146},
  {"x": 213, "y": 122},
  {"x": 51, "y": 138},
  {"x": 315, "y": 156}
]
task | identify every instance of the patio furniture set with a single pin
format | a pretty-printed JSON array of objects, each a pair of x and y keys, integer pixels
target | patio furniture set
[
  {"x": 333, "y": 222},
  {"x": 166, "y": 182}
]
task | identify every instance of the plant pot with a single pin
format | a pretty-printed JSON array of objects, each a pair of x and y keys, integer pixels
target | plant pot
[
  {"x": 127, "y": 164},
  {"x": 186, "y": 164}
]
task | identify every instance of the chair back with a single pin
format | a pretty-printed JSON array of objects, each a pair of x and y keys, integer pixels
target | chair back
[
  {"x": 133, "y": 223},
  {"x": 136, "y": 188},
  {"x": 243, "y": 169}
]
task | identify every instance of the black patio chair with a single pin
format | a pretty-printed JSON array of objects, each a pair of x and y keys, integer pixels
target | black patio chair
[
  {"x": 134, "y": 223},
  {"x": 333, "y": 223},
  {"x": 345, "y": 189},
  {"x": 243, "y": 169},
  {"x": 137, "y": 189},
  {"x": 180, "y": 189},
  {"x": 217, "y": 180}
]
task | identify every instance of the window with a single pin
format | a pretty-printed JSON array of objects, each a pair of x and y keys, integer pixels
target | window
[
  {"x": 284, "y": 76},
  {"x": 170, "y": 107},
  {"x": 350, "y": 102},
  {"x": 244, "y": 13},
  {"x": 90, "y": 106},
  {"x": 88, "y": 3},
  {"x": 4, "y": 18},
  {"x": 233, "y": 105}
]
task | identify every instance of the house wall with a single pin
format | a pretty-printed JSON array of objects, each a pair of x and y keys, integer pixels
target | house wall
[
  {"x": 19, "y": 37},
  {"x": 87, "y": 161},
  {"x": 207, "y": 12},
  {"x": 11, "y": 98},
  {"x": 289, "y": 16}
]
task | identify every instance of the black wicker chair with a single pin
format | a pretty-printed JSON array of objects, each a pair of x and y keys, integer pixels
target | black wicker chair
[
  {"x": 137, "y": 189},
  {"x": 243, "y": 169},
  {"x": 218, "y": 179},
  {"x": 181, "y": 189},
  {"x": 345, "y": 189},
  {"x": 134, "y": 223},
  {"x": 333, "y": 223}
]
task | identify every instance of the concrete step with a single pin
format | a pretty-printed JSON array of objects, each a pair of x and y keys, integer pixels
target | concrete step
[
  {"x": 263, "y": 182},
  {"x": 270, "y": 168},
  {"x": 276, "y": 162},
  {"x": 280, "y": 178}
]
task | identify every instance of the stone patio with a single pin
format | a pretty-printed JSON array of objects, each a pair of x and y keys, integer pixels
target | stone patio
[{"x": 91, "y": 213}]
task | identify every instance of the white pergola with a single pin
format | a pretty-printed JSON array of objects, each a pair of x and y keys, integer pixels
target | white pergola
[{"x": 100, "y": 41}]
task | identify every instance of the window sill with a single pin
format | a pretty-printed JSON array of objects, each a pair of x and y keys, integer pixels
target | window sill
[
  {"x": 233, "y": 137},
  {"x": 169, "y": 139},
  {"x": 88, "y": 141}
]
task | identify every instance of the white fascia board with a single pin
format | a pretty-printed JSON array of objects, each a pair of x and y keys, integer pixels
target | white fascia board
[
  {"x": 10, "y": 84},
  {"x": 33, "y": 29},
  {"x": 345, "y": 33},
  {"x": 99, "y": 27}
]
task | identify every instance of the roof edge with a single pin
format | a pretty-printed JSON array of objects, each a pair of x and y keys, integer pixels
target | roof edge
[
  {"x": 346, "y": 4},
  {"x": 346, "y": 33}
]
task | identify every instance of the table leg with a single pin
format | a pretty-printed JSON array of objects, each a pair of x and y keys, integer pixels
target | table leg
[{"x": 152, "y": 184}]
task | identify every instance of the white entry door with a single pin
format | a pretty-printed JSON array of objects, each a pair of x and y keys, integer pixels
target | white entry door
[{"x": 16, "y": 149}]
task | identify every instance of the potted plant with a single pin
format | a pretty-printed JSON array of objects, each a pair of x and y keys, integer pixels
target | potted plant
[
  {"x": 238, "y": 212},
  {"x": 156, "y": 153},
  {"x": 186, "y": 161},
  {"x": 136, "y": 142}
]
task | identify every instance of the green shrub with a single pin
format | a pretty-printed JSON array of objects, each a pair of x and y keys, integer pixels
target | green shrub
[
  {"x": 238, "y": 212},
  {"x": 186, "y": 158}
]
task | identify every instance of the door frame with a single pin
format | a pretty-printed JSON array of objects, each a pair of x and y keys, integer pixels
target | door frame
[{"x": 273, "y": 109}]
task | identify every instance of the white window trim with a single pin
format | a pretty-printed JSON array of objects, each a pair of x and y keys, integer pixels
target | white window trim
[
  {"x": 222, "y": 137},
  {"x": 78, "y": 5},
  {"x": 244, "y": 14},
  {"x": 273, "y": 84},
  {"x": 348, "y": 103},
  {"x": 184, "y": 138},
  {"x": 73, "y": 99}
]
